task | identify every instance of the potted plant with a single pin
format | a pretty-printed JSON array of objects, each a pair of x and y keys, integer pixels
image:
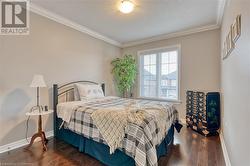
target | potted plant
[{"x": 124, "y": 70}]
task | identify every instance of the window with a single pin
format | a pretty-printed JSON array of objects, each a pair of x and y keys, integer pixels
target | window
[{"x": 159, "y": 73}]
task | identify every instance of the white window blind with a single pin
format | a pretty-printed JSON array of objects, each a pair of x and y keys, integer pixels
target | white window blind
[{"x": 159, "y": 73}]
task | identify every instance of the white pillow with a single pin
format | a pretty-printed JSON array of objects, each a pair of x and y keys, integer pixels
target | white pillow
[{"x": 89, "y": 91}]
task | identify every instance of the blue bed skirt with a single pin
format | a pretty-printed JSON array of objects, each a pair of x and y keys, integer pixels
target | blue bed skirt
[{"x": 101, "y": 151}]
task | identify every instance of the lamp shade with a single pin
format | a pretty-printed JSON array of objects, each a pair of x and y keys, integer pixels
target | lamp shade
[{"x": 38, "y": 81}]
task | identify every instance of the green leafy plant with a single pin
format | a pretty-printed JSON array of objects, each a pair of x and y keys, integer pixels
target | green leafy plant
[{"x": 124, "y": 70}]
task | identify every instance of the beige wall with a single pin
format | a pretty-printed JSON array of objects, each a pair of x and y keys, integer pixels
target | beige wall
[
  {"x": 200, "y": 61},
  {"x": 235, "y": 86},
  {"x": 58, "y": 52}
]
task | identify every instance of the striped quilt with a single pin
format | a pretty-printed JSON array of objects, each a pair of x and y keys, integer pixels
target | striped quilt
[{"x": 139, "y": 141}]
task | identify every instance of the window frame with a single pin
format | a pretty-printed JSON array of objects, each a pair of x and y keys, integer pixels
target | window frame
[{"x": 157, "y": 51}]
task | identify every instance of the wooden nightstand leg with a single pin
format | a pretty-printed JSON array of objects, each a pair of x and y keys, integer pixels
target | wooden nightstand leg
[
  {"x": 46, "y": 140},
  {"x": 43, "y": 139},
  {"x": 43, "y": 142},
  {"x": 33, "y": 139}
]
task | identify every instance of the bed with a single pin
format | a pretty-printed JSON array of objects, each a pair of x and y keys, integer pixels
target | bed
[{"x": 143, "y": 142}]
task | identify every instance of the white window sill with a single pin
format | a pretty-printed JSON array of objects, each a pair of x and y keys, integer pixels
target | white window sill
[{"x": 160, "y": 99}]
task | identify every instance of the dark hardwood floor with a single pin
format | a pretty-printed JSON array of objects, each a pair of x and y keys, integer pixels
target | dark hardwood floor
[{"x": 189, "y": 149}]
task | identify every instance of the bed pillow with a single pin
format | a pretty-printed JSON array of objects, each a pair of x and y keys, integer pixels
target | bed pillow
[{"x": 89, "y": 91}]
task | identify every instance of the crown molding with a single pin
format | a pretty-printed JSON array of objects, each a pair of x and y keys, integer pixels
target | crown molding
[
  {"x": 171, "y": 35},
  {"x": 57, "y": 18}
]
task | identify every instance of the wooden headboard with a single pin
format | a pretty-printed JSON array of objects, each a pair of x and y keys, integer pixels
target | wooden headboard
[{"x": 66, "y": 93}]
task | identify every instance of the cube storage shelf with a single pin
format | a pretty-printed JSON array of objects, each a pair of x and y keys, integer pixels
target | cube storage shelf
[{"x": 203, "y": 112}]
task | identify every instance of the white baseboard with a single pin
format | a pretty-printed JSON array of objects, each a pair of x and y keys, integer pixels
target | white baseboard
[
  {"x": 22, "y": 142},
  {"x": 224, "y": 149}
]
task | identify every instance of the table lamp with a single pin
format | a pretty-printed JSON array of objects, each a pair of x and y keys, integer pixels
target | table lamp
[{"x": 37, "y": 82}]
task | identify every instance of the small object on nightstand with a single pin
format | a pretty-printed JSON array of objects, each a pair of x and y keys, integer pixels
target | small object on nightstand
[
  {"x": 46, "y": 108},
  {"x": 40, "y": 132}
]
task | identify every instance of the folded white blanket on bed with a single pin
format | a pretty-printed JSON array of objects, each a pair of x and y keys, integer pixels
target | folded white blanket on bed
[{"x": 112, "y": 122}]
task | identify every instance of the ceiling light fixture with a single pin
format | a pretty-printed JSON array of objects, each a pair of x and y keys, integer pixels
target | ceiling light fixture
[{"x": 126, "y": 6}]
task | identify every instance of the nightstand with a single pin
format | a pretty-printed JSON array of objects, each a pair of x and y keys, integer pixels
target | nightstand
[{"x": 40, "y": 132}]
